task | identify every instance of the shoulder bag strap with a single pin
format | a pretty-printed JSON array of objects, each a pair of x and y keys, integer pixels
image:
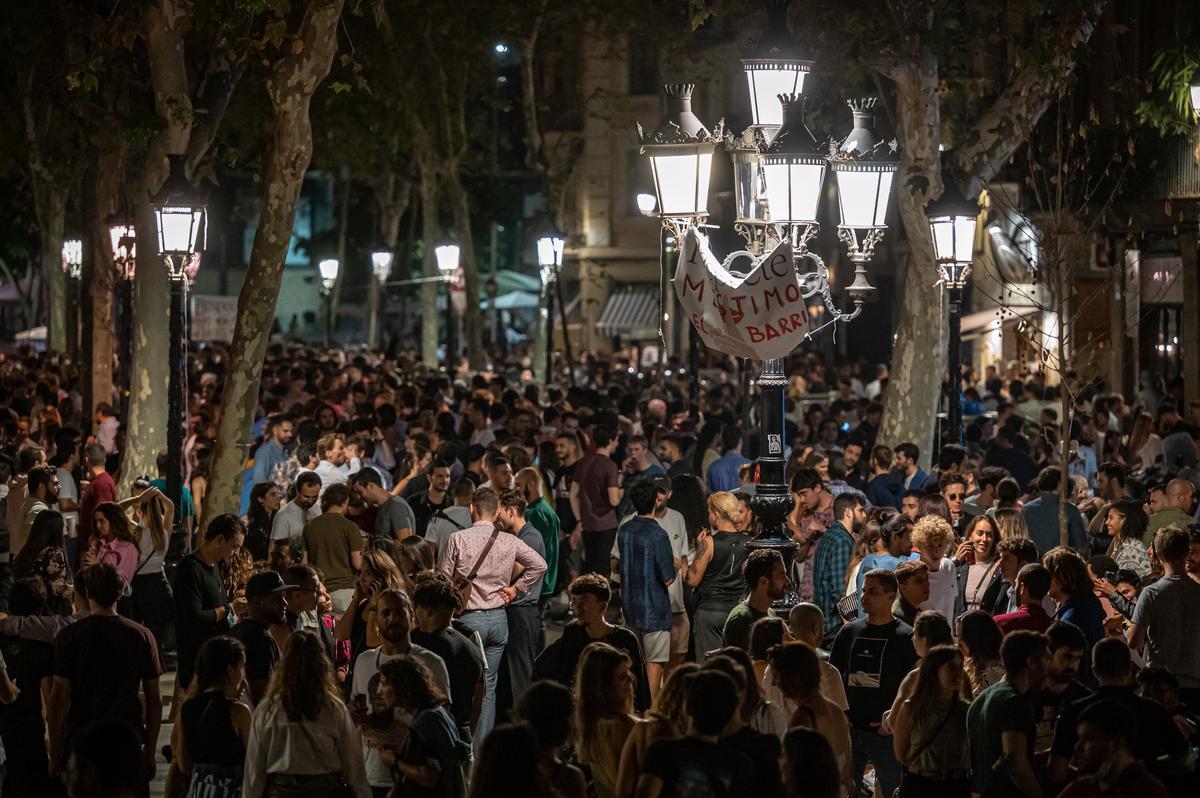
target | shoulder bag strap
[
  {"x": 925, "y": 745},
  {"x": 441, "y": 513},
  {"x": 483, "y": 554}
]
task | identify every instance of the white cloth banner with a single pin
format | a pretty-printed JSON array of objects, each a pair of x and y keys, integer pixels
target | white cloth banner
[
  {"x": 213, "y": 317},
  {"x": 758, "y": 314}
]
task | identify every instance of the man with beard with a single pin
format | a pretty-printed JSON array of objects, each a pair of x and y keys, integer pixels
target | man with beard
[
  {"x": 1062, "y": 687},
  {"x": 266, "y": 597},
  {"x": 393, "y": 618},
  {"x": 437, "y": 497},
  {"x": 288, "y": 525},
  {"x": 42, "y": 494},
  {"x": 832, "y": 558},
  {"x": 767, "y": 578}
]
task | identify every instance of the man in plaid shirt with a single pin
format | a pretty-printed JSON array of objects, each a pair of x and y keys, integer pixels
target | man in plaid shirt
[{"x": 831, "y": 561}]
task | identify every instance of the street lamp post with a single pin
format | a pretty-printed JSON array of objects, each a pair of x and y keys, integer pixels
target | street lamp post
[
  {"x": 447, "y": 262},
  {"x": 953, "y": 220},
  {"x": 381, "y": 268},
  {"x": 180, "y": 216},
  {"x": 778, "y": 176},
  {"x": 328, "y": 268},
  {"x": 550, "y": 255}
]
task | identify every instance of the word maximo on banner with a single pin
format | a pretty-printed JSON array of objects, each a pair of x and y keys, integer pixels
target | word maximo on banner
[{"x": 758, "y": 314}]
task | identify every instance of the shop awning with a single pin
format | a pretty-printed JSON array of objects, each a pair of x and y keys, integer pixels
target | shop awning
[{"x": 630, "y": 313}]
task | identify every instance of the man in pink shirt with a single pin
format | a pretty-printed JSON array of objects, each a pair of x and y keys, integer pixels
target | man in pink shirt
[
  {"x": 488, "y": 559},
  {"x": 1033, "y": 581}
]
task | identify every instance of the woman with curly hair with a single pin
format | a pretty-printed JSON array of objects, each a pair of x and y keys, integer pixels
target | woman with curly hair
[
  {"x": 603, "y": 713},
  {"x": 430, "y": 760},
  {"x": 115, "y": 541},
  {"x": 303, "y": 743}
]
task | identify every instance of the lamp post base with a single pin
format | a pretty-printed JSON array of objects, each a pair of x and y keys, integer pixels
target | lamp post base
[{"x": 772, "y": 501}]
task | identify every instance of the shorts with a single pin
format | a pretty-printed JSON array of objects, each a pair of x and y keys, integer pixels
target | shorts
[
  {"x": 681, "y": 633},
  {"x": 656, "y": 646}
]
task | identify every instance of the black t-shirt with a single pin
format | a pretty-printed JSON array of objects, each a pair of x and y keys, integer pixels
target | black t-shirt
[
  {"x": 106, "y": 658},
  {"x": 198, "y": 592},
  {"x": 873, "y": 660},
  {"x": 262, "y": 652},
  {"x": 464, "y": 664},
  {"x": 1047, "y": 705},
  {"x": 764, "y": 751},
  {"x": 28, "y": 661},
  {"x": 558, "y": 660},
  {"x": 423, "y": 509},
  {"x": 562, "y": 497},
  {"x": 691, "y": 768}
]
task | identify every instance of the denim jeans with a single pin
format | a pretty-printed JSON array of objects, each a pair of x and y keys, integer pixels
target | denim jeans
[
  {"x": 492, "y": 626},
  {"x": 871, "y": 746}
]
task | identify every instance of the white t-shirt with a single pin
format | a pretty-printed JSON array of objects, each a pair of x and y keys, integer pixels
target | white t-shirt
[
  {"x": 290, "y": 520},
  {"x": 67, "y": 489},
  {"x": 366, "y": 683},
  {"x": 943, "y": 590}
]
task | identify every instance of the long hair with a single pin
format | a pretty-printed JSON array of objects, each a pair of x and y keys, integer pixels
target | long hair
[
  {"x": 303, "y": 682},
  {"x": 984, "y": 519},
  {"x": 811, "y": 770},
  {"x": 216, "y": 657},
  {"x": 154, "y": 517},
  {"x": 257, "y": 516},
  {"x": 1139, "y": 435},
  {"x": 1070, "y": 570},
  {"x": 687, "y": 498},
  {"x": 982, "y": 638},
  {"x": 46, "y": 532},
  {"x": 928, "y": 683},
  {"x": 118, "y": 522},
  {"x": 1135, "y": 519},
  {"x": 594, "y": 698},
  {"x": 933, "y": 504},
  {"x": 383, "y": 568},
  {"x": 670, "y": 701},
  {"x": 414, "y": 555},
  {"x": 1010, "y": 523}
]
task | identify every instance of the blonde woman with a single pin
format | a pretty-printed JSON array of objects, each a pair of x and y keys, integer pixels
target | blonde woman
[
  {"x": 604, "y": 713},
  {"x": 716, "y": 571},
  {"x": 151, "y": 602},
  {"x": 933, "y": 535},
  {"x": 1010, "y": 523}
]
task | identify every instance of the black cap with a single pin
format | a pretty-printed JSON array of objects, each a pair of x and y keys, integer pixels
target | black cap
[
  {"x": 265, "y": 584},
  {"x": 662, "y": 482}
]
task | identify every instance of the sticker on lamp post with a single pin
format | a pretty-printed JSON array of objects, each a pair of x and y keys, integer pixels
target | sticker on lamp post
[{"x": 774, "y": 444}]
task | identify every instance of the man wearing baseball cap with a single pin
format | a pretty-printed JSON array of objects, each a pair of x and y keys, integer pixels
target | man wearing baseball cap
[{"x": 266, "y": 596}]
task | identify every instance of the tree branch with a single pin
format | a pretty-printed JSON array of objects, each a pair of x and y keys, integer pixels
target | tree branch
[{"x": 1005, "y": 126}]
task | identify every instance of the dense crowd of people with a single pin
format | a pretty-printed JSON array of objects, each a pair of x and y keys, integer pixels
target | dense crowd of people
[{"x": 475, "y": 585}]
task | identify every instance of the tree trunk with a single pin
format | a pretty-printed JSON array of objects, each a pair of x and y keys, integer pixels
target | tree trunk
[
  {"x": 919, "y": 354},
  {"x": 290, "y": 86},
  {"x": 148, "y": 371},
  {"x": 429, "y": 269},
  {"x": 460, "y": 206},
  {"x": 51, "y": 204},
  {"x": 99, "y": 345}
]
